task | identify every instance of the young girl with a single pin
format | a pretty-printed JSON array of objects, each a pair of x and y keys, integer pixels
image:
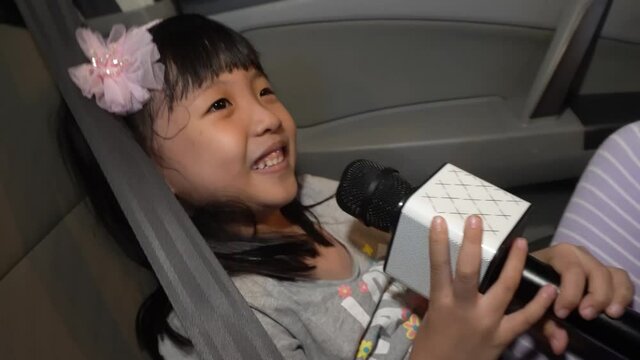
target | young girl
[{"x": 203, "y": 109}]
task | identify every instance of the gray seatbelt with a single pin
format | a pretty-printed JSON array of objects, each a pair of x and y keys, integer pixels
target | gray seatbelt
[{"x": 214, "y": 315}]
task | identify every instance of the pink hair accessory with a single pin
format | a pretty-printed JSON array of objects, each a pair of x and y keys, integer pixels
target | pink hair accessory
[{"x": 122, "y": 69}]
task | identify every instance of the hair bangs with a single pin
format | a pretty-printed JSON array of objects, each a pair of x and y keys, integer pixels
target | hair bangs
[{"x": 196, "y": 50}]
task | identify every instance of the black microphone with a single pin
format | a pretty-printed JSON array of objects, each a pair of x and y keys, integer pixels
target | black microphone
[{"x": 376, "y": 196}]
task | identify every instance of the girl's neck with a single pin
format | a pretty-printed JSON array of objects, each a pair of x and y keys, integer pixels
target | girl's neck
[
  {"x": 274, "y": 221},
  {"x": 332, "y": 263}
]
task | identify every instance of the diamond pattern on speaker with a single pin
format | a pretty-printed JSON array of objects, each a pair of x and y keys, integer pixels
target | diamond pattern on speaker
[{"x": 457, "y": 193}]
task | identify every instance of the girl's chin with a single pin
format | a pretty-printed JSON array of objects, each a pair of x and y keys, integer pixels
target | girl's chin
[{"x": 276, "y": 201}]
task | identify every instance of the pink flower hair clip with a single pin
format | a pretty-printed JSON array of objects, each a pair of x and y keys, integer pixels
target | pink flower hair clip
[{"x": 122, "y": 69}]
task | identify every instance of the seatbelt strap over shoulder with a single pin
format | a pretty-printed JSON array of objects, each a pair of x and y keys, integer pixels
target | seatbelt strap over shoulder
[{"x": 212, "y": 311}]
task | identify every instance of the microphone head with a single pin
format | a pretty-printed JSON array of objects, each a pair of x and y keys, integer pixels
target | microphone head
[{"x": 372, "y": 193}]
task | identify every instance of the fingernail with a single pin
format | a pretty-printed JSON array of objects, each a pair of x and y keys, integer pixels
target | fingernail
[
  {"x": 473, "y": 221},
  {"x": 438, "y": 223},
  {"x": 615, "y": 310},
  {"x": 562, "y": 313},
  {"x": 522, "y": 244},
  {"x": 549, "y": 291},
  {"x": 556, "y": 346},
  {"x": 588, "y": 313}
]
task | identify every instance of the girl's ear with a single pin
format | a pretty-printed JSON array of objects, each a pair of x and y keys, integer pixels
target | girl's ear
[
  {"x": 162, "y": 172},
  {"x": 171, "y": 187}
]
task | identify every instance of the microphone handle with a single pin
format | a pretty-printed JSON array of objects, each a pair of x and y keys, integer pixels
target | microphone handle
[{"x": 621, "y": 335}]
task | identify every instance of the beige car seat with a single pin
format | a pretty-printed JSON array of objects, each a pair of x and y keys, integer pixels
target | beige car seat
[{"x": 66, "y": 289}]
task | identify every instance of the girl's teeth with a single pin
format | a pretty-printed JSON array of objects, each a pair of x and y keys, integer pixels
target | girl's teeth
[{"x": 272, "y": 159}]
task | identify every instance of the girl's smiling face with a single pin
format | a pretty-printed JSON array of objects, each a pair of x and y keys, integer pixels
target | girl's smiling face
[{"x": 232, "y": 139}]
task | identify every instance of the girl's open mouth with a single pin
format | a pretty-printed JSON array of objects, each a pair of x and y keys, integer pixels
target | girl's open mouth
[{"x": 272, "y": 161}]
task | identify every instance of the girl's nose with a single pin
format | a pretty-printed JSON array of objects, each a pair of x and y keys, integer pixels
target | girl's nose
[{"x": 264, "y": 120}]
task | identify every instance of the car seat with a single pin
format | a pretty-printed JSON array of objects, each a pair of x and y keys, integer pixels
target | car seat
[{"x": 66, "y": 289}]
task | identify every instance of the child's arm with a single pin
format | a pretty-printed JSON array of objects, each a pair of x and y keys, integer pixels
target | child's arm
[{"x": 462, "y": 323}]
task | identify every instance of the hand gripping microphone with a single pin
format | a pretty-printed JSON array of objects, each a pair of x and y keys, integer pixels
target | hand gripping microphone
[{"x": 380, "y": 198}]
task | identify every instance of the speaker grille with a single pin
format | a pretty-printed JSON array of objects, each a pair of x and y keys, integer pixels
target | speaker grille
[{"x": 372, "y": 193}]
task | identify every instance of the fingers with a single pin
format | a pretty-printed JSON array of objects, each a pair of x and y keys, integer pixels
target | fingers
[
  {"x": 572, "y": 283},
  {"x": 516, "y": 323},
  {"x": 465, "y": 285},
  {"x": 622, "y": 292},
  {"x": 501, "y": 293},
  {"x": 557, "y": 336},
  {"x": 572, "y": 279},
  {"x": 600, "y": 285},
  {"x": 439, "y": 256},
  {"x": 609, "y": 289}
]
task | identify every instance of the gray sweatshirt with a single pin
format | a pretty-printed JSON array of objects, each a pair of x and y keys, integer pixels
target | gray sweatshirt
[{"x": 363, "y": 317}]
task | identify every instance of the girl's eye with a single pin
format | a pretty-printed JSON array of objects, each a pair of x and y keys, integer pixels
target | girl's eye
[
  {"x": 266, "y": 91},
  {"x": 219, "y": 104}
]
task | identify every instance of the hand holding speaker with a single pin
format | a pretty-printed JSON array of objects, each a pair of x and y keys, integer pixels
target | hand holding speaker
[
  {"x": 462, "y": 321},
  {"x": 379, "y": 197}
]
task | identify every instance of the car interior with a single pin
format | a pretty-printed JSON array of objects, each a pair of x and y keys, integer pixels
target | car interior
[{"x": 519, "y": 92}]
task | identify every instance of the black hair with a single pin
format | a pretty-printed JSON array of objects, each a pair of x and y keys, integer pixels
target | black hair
[{"x": 193, "y": 49}]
